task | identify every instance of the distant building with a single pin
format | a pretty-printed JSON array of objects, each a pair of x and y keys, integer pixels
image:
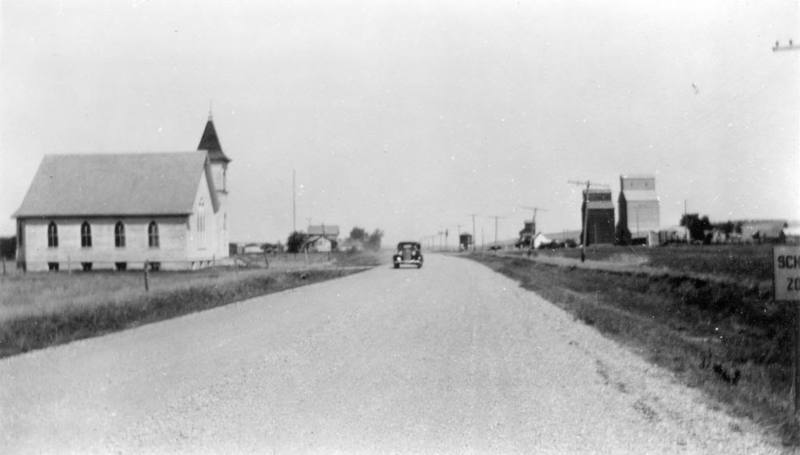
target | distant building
[
  {"x": 764, "y": 231},
  {"x": 673, "y": 234},
  {"x": 119, "y": 211},
  {"x": 526, "y": 234},
  {"x": 464, "y": 241},
  {"x": 322, "y": 238},
  {"x": 639, "y": 208},
  {"x": 598, "y": 217}
]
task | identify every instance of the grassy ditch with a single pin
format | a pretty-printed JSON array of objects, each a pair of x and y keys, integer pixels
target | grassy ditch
[
  {"x": 729, "y": 340},
  {"x": 750, "y": 262},
  {"x": 38, "y": 310}
]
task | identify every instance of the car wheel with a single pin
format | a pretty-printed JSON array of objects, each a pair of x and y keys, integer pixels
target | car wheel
[
  {"x": 397, "y": 266},
  {"x": 419, "y": 266}
]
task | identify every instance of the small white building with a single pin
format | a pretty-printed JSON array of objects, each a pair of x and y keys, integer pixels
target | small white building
[{"x": 119, "y": 211}]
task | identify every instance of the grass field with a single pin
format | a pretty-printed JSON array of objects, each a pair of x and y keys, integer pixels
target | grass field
[
  {"x": 752, "y": 262},
  {"x": 43, "y": 309},
  {"x": 727, "y": 339}
]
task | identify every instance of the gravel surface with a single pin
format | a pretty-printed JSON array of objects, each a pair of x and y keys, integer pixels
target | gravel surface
[{"x": 452, "y": 358}]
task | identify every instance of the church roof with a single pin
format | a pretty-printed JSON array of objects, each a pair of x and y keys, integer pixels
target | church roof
[
  {"x": 134, "y": 184},
  {"x": 210, "y": 142}
]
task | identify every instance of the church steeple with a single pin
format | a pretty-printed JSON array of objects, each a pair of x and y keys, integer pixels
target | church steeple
[{"x": 210, "y": 142}]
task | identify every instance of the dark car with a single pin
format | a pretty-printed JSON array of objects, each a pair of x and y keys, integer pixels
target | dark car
[{"x": 408, "y": 253}]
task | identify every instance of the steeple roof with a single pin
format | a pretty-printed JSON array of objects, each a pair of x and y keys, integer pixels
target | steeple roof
[{"x": 210, "y": 142}]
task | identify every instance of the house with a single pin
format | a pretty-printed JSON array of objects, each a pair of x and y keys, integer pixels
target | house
[
  {"x": 597, "y": 215},
  {"x": 764, "y": 231},
  {"x": 639, "y": 211},
  {"x": 792, "y": 234},
  {"x": 322, "y": 238},
  {"x": 673, "y": 234},
  {"x": 122, "y": 211}
]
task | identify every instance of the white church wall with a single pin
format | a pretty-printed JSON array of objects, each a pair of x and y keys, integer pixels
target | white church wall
[{"x": 103, "y": 254}]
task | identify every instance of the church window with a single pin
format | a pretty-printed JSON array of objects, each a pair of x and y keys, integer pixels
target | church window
[
  {"x": 86, "y": 235},
  {"x": 119, "y": 235},
  {"x": 52, "y": 235},
  {"x": 201, "y": 221},
  {"x": 152, "y": 235}
]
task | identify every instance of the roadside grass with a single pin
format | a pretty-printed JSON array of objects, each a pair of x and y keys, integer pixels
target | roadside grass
[
  {"x": 730, "y": 341},
  {"x": 752, "y": 262},
  {"x": 38, "y": 310}
]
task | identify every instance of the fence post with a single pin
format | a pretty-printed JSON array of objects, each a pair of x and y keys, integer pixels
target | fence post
[{"x": 146, "y": 283}]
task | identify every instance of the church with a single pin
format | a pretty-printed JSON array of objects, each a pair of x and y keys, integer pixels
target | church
[{"x": 166, "y": 211}]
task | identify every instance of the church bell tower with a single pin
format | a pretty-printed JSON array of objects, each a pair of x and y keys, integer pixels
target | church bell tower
[{"x": 218, "y": 161}]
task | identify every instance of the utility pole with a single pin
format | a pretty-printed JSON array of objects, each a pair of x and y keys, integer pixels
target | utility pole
[
  {"x": 474, "y": 239},
  {"x": 533, "y": 223},
  {"x": 496, "y": 217},
  {"x": 796, "y": 378},
  {"x": 585, "y": 210}
]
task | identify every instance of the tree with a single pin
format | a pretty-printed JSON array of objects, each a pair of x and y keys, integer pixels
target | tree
[
  {"x": 697, "y": 226},
  {"x": 374, "y": 240},
  {"x": 295, "y": 242},
  {"x": 359, "y": 234}
]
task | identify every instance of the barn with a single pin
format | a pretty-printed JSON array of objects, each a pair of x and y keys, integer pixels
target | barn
[
  {"x": 597, "y": 215},
  {"x": 639, "y": 210},
  {"x": 122, "y": 211}
]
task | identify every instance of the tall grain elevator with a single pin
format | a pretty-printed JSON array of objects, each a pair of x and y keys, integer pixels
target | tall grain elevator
[
  {"x": 639, "y": 208},
  {"x": 597, "y": 215}
]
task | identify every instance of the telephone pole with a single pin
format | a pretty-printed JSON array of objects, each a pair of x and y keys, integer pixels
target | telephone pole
[
  {"x": 796, "y": 372},
  {"x": 496, "y": 217},
  {"x": 473, "y": 215},
  {"x": 585, "y": 210}
]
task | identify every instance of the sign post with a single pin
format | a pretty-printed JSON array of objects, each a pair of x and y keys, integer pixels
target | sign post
[{"x": 786, "y": 288}]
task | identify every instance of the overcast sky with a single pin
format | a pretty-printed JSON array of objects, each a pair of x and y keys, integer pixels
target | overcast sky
[{"x": 408, "y": 116}]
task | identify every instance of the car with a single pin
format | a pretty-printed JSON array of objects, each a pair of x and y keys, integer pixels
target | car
[{"x": 408, "y": 253}]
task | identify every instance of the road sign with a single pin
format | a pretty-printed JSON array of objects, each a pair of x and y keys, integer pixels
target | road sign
[{"x": 786, "y": 267}]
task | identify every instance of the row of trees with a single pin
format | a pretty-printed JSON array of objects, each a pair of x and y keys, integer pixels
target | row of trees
[
  {"x": 368, "y": 241},
  {"x": 700, "y": 227}
]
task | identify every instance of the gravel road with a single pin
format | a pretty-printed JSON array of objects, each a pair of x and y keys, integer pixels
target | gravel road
[{"x": 452, "y": 358}]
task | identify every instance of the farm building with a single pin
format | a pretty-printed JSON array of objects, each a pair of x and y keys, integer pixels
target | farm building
[
  {"x": 764, "y": 231},
  {"x": 120, "y": 211},
  {"x": 322, "y": 238},
  {"x": 598, "y": 216},
  {"x": 639, "y": 210}
]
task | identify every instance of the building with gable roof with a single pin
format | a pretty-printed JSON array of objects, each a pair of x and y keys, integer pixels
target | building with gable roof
[
  {"x": 322, "y": 238},
  {"x": 120, "y": 211}
]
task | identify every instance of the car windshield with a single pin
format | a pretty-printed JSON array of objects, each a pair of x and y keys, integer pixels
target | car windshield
[{"x": 407, "y": 246}]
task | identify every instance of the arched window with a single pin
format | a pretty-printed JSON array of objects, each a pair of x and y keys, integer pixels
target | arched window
[
  {"x": 52, "y": 235},
  {"x": 119, "y": 235},
  {"x": 86, "y": 235},
  {"x": 152, "y": 235},
  {"x": 201, "y": 221}
]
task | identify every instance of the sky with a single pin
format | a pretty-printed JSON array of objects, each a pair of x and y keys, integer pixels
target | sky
[{"x": 408, "y": 116}]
